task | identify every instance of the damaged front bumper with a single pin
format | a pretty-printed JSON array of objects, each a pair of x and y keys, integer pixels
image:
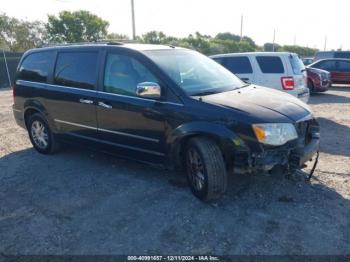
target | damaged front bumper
[{"x": 292, "y": 155}]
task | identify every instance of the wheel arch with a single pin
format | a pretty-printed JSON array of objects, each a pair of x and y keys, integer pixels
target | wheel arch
[
  {"x": 32, "y": 107},
  {"x": 227, "y": 140}
]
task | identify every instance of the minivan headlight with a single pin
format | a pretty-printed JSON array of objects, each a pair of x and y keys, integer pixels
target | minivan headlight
[{"x": 275, "y": 134}]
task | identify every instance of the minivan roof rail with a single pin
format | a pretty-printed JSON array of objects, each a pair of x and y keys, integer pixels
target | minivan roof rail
[{"x": 99, "y": 42}]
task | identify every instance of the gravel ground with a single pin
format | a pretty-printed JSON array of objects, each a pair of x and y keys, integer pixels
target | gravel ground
[{"x": 83, "y": 202}]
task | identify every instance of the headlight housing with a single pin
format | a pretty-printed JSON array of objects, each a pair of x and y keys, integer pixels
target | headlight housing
[{"x": 275, "y": 134}]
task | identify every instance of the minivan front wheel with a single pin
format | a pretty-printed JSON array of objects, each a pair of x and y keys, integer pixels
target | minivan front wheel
[
  {"x": 40, "y": 135},
  {"x": 205, "y": 168}
]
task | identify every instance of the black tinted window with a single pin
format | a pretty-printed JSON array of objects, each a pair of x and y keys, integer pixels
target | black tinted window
[
  {"x": 326, "y": 65},
  {"x": 238, "y": 65},
  {"x": 343, "y": 66},
  {"x": 35, "y": 67},
  {"x": 123, "y": 73},
  {"x": 76, "y": 69},
  {"x": 270, "y": 64}
]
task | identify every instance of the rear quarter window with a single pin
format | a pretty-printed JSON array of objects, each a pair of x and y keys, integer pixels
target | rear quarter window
[
  {"x": 238, "y": 65},
  {"x": 270, "y": 64},
  {"x": 297, "y": 64},
  {"x": 35, "y": 67}
]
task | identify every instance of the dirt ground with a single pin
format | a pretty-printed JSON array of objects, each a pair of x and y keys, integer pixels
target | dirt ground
[{"x": 83, "y": 202}]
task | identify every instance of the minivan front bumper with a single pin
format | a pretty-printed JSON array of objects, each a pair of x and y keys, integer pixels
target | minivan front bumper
[{"x": 293, "y": 155}]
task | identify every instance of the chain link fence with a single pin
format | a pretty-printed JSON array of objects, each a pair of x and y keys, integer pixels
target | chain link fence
[{"x": 8, "y": 66}]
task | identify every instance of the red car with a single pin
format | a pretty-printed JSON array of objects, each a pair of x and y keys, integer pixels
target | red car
[
  {"x": 339, "y": 69},
  {"x": 318, "y": 80}
]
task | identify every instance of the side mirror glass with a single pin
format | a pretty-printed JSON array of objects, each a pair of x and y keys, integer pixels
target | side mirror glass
[{"x": 148, "y": 90}]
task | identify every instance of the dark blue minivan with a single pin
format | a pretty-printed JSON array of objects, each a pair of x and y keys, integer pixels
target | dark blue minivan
[{"x": 163, "y": 105}]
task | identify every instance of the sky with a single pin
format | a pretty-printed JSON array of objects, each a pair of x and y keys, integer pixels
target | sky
[{"x": 304, "y": 22}]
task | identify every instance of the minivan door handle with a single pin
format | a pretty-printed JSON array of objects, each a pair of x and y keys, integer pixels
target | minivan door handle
[
  {"x": 104, "y": 105},
  {"x": 86, "y": 101}
]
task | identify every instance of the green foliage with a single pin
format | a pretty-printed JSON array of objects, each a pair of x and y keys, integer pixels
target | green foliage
[
  {"x": 79, "y": 26},
  {"x": 222, "y": 43},
  {"x": 268, "y": 47},
  {"x": 301, "y": 51},
  {"x": 18, "y": 36},
  {"x": 228, "y": 36},
  {"x": 115, "y": 36},
  {"x": 83, "y": 26}
]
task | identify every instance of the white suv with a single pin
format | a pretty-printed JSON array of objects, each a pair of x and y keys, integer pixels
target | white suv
[{"x": 279, "y": 70}]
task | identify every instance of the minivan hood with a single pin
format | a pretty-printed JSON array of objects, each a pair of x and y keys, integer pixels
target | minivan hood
[{"x": 262, "y": 103}]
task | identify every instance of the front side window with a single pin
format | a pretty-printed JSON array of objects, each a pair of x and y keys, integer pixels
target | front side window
[
  {"x": 195, "y": 73},
  {"x": 238, "y": 65},
  {"x": 326, "y": 65},
  {"x": 343, "y": 66},
  {"x": 270, "y": 64},
  {"x": 35, "y": 67},
  {"x": 124, "y": 73},
  {"x": 76, "y": 69}
]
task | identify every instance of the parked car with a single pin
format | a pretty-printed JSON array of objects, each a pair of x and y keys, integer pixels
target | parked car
[
  {"x": 163, "y": 105},
  {"x": 278, "y": 70},
  {"x": 307, "y": 60},
  {"x": 339, "y": 69},
  {"x": 318, "y": 80},
  {"x": 331, "y": 54}
]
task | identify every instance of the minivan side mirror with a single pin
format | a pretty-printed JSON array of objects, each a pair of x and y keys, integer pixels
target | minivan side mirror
[{"x": 148, "y": 90}]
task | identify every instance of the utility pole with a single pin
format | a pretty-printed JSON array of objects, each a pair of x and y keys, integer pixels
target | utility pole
[
  {"x": 133, "y": 20},
  {"x": 325, "y": 43},
  {"x": 273, "y": 42},
  {"x": 295, "y": 40},
  {"x": 241, "y": 27}
]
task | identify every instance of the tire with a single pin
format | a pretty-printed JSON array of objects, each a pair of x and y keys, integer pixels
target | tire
[
  {"x": 211, "y": 182},
  {"x": 310, "y": 85},
  {"x": 40, "y": 134}
]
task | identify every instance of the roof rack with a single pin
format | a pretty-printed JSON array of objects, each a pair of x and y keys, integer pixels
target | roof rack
[{"x": 101, "y": 42}]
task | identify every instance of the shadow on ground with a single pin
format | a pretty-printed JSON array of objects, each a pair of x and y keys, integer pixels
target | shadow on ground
[
  {"x": 83, "y": 202},
  {"x": 329, "y": 98},
  {"x": 334, "y": 137}
]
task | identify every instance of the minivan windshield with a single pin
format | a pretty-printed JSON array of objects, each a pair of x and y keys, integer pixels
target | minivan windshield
[{"x": 195, "y": 73}]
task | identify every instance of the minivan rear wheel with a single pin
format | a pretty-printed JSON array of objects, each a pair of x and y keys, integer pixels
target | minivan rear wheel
[
  {"x": 40, "y": 134},
  {"x": 205, "y": 168}
]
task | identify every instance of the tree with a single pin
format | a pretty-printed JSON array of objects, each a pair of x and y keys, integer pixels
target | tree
[
  {"x": 79, "y": 26},
  {"x": 228, "y": 36},
  {"x": 115, "y": 36},
  {"x": 154, "y": 37},
  {"x": 268, "y": 47},
  {"x": 300, "y": 50},
  {"x": 18, "y": 35}
]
